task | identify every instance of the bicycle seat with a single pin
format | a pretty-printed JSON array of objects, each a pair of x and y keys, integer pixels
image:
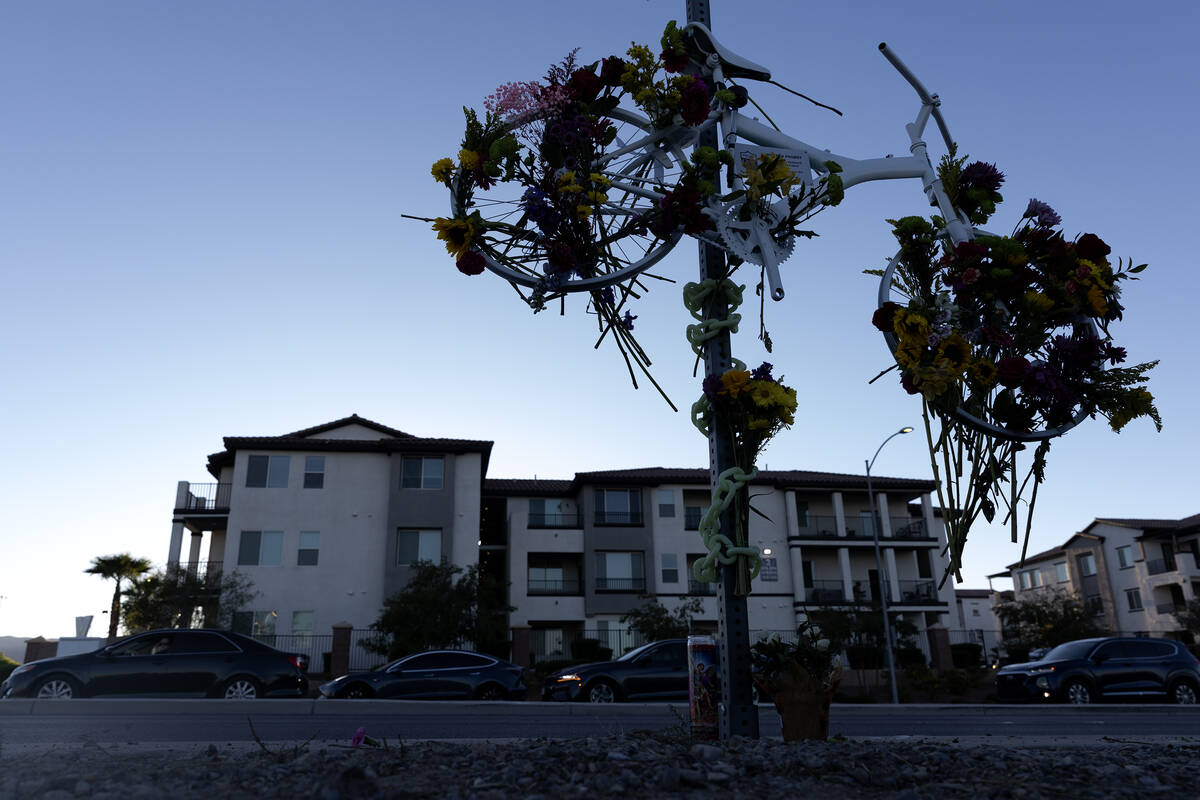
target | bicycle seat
[{"x": 700, "y": 42}]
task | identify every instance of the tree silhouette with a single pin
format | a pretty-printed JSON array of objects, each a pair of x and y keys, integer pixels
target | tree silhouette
[{"x": 117, "y": 567}]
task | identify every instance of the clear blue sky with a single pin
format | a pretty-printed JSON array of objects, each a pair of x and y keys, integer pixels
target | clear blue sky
[{"x": 201, "y": 237}]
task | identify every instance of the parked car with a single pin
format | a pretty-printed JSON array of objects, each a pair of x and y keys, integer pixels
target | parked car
[
  {"x": 655, "y": 671},
  {"x": 434, "y": 675},
  {"x": 180, "y": 662},
  {"x": 1088, "y": 670}
]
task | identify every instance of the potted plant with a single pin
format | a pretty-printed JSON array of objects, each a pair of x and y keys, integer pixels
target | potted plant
[{"x": 800, "y": 677}]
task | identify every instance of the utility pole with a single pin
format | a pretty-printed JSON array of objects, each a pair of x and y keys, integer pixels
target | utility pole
[{"x": 739, "y": 715}]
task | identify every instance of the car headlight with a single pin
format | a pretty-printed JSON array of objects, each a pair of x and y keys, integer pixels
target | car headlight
[
  {"x": 566, "y": 678},
  {"x": 1041, "y": 670},
  {"x": 21, "y": 669}
]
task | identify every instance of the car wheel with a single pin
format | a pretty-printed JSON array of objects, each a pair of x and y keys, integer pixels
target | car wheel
[
  {"x": 56, "y": 687},
  {"x": 242, "y": 689},
  {"x": 490, "y": 692},
  {"x": 357, "y": 692},
  {"x": 602, "y": 692},
  {"x": 1077, "y": 693},
  {"x": 1182, "y": 693}
]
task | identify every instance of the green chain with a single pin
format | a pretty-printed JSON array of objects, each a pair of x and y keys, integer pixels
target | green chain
[
  {"x": 721, "y": 549},
  {"x": 694, "y": 297}
]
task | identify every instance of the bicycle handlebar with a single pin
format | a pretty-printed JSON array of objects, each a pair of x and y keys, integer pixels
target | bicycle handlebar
[{"x": 927, "y": 99}]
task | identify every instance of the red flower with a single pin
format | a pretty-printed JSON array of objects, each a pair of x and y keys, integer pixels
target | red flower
[
  {"x": 694, "y": 102},
  {"x": 471, "y": 263},
  {"x": 884, "y": 316},
  {"x": 906, "y": 381},
  {"x": 585, "y": 85},
  {"x": 1092, "y": 247},
  {"x": 611, "y": 69},
  {"x": 1011, "y": 371},
  {"x": 673, "y": 61}
]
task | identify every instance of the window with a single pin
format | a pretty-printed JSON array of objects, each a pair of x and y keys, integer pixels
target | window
[
  {"x": 670, "y": 568},
  {"x": 618, "y": 507},
  {"x": 620, "y": 572},
  {"x": 1125, "y": 556},
  {"x": 546, "y": 579},
  {"x": 201, "y": 642},
  {"x": 302, "y": 628},
  {"x": 1060, "y": 572},
  {"x": 421, "y": 472},
  {"x": 975, "y": 611},
  {"x": 314, "y": 472},
  {"x": 1134, "y": 598},
  {"x": 1031, "y": 579},
  {"x": 270, "y": 472},
  {"x": 260, "y": 549},
  {"x": 414, "y": 546},
  {"x": 666, "y": 503},
  {"x": 259, "y": 624},
  {"x": 1087, "y": 564},
  {"x": 802, "y": 513},
  {"x": 310, "y": 547}
]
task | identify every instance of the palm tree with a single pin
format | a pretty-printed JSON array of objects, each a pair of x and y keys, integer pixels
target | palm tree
[{"x": 118, "y": 567}]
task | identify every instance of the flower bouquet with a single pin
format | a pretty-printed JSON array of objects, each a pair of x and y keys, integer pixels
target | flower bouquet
[
  {"x": 748, "y": 408},
  {"x": 800, "y": 677},
  {"x": 1006, "y": 340}
]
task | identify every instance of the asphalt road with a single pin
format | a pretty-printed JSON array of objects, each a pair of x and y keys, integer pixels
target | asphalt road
[{"x": 41, "y": 722}]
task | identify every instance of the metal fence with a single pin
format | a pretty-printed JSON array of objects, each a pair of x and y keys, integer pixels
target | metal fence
[{"x": 314, "y": 646}]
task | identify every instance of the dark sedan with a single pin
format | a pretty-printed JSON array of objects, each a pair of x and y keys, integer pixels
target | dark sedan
[
  {"x": 206, "y": 663},
  {"x": 655, "y": 671},
  {"x": 434, "y": 675},
  {"x": 1088, "y": 670}
]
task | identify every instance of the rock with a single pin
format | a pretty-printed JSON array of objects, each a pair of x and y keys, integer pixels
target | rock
[{"x": 706, "y": 752}]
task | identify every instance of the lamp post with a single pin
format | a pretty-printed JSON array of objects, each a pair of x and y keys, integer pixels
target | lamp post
[{"x": 883, "y": 591}]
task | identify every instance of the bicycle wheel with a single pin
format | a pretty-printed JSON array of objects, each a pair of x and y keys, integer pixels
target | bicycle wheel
[
  {"x": 528, "y": 230},
  {"x": 990, "y": 407}
]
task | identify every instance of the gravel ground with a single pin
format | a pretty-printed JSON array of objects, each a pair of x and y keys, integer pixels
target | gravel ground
[{"x": 659, "y": 765}]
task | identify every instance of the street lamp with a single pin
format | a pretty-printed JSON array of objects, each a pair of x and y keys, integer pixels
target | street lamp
[{"x": 883, "y": 591}]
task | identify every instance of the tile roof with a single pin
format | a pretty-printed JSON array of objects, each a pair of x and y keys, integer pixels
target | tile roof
[
  {"x": 353, "y": 419},
  {"x": 972, "y": 592},
  {"x": 525, "y": 487},
  {"x": 1151, "y": 524},
  {"x": 1054, "y": 551}
]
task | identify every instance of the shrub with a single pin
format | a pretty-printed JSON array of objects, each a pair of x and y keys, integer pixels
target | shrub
[
  {"x": 966, "y": 654},
  {"x": 7, "y": 665},
  {"x": 909, "y": 657}
]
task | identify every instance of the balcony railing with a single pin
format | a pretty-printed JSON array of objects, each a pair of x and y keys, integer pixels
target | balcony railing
[
  {"x": 554, "y": 586},
  {"x": 692, "y": 517},
  {"x": 620, "y": 584},
  {"x": 540, "y": 520},
  {"x": 825, "y": 592},
  {"x": 1094, "y": 604},
  {"x": 205, "y": 497},
  {"x": 1169, "y": 608},
  {"x": 619, "y": 518},
  {"x": 818, "y": 527},
  {"x": 905, "y": 528},
  {"x": 1158, "y": 566},
  {"x": 207, "y": 573},
  {"x": 701, "y": 587},
  {"x": 924, "y": 591}
]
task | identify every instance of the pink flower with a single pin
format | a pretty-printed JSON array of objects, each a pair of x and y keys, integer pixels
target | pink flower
[
  {"x": 359, "y": 736},
  {"x": 471, "y": 263}
]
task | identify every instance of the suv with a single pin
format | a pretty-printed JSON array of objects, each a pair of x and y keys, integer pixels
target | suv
[{"x": 1087, "y": 670}]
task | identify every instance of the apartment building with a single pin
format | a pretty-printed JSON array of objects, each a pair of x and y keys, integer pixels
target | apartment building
[
  {"x": 1134, "y": 573},
  {"x": 325, "y": 522}
]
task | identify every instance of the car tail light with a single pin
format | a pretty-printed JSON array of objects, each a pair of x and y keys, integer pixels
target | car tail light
[{"x": 299, "y": 662}]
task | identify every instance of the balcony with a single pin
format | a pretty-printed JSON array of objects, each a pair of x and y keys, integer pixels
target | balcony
[
  {"x": 1158, "y": 566},
  {"x": 619, "y": 518},
  {"x": 559, "y": 586},
  {"x": 825, "y": 593},
  {"x": 1170, "y": 608},
  {"x": 701, "y": 587},
  {"x": 203, "y": 497},
  {"x": 538, "y": 519},
  {"x": 911, "y": 529},
  {"x": 818, "y": 527},
  {"x": 620, "y": 584},
  {"x": 918, "y": 592}
]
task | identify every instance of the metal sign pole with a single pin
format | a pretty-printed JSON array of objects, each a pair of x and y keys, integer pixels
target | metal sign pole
[{"x": 739, "y": 715}]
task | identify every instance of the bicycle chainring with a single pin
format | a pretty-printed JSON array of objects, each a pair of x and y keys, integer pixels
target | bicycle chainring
[{"x": 739, "y": 237}]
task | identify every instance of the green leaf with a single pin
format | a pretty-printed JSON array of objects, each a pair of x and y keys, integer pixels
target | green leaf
[{"x": 603, "y": 105}]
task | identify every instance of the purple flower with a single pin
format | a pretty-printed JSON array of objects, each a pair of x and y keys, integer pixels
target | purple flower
[
  {"x": 762, "y": 372},
  {"x": 981, "y": 175},
  {"x": 627, "y": 321},
  {"x": 608, "y": 296},
  {"x": 539, "y": 210},
  {"x": 359, "y": 736},
  {"x": 1115, "y": 355},
  {"x": 712, "y": 386},
  {"x": 1041, "y": 214}
]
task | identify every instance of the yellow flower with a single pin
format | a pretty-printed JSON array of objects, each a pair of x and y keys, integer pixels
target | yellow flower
[
  {"x": 908, "y": 353},
  {"x": 1096, "y": 302},
  {"x": 955, "y": 351},
  {"x": 468, "y": 159},
  {"x": 733, "y": 381},
  {"x": 933, "y": 381},
  {"x": 983, "y": 371},
  {"x": 599, "y": 180},
  {"x": 583, "y": 212},
  {"x": 1038, "y": 301},
  {"x": 456, "y": 233},
  {"x": 597, "y": 197},
  {"x": 911, "y": 327},
  {"x": 442, "y": 169}
]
